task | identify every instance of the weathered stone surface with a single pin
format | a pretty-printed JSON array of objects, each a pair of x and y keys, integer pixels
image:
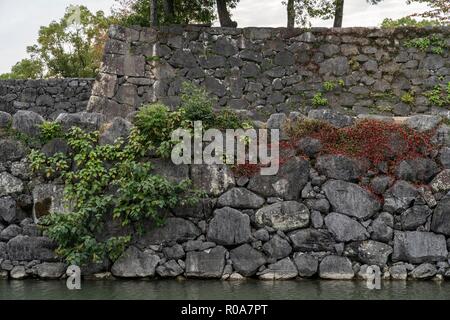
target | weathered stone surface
[
  {"x": 340, "y": 167},
  {"x": 213, "y": 179},
  {"x": 48, "y": 198},
  {"x": 175, "y": 252},
  {"x": 306, "y": 264},
  {"x": 423, "y": 122},
  {"x": 287, "y": 183},
  {"x": 240, "y": 198},
  {"x": 441, "y": 183},
  {"x": 382, "y": 227},
  {"x": 50, "y": 270},
  {"x": 440, "y": 222},
  {"x": 246, "y": 260},
  {"x": 424, "y": 271},
  {"x": 282, "y": 270},
  {"x": 85, "y": 120},
  {"x": 170, "y": 269},
  {"x": 27, "y": 122},
  {"x": 284, "y": 216},
  {"x": 369, "y": 252},
  {"x": 9, "y": 184},
  {"x": 312, "y": 240},
  {"x": 414, "y": 217},
  {"x": 337, "y": 66},
  {"x": 277, "y": 248},
  {"x": 10, "y": 232},
  {"x": 170, "y": 171},
  {"x": 134, "y": 263},
  {"x": 336, "y": 268},
  {"x": 206, "y": 264},
  {"x": 7, "y": 209},
  {"x": 345, "y": 229},
  {"x": 399, "y": 197},
  {"x": 229, "y": 227},
  {"x": 54, "y": 146},
  {"x": 417, "y": 170},
  {"x": 5, "y": 119},
  {"x": 350, "y": 199},
  {"x": 418, "y": 247},
  {"x": 118, "y": 128},
  {"x": 310, "y": 146},
  {"x": 398, "y": 271},
  {"x": 201, "y": 210},
  {"x": 18, "y": 272},
  {"x": 25, "y": 248},
  {"x": 11, "y": 150},
  {"x": 336, "y": 119},
  {"x": 174, "y": 230}
]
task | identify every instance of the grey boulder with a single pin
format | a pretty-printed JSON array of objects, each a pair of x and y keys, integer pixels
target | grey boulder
[
  {"x": 283, "y": 216},
  {"x": 344, "y": 228},
  {"x": 246, "y": 260},
  {"x": 206, "y": 264},
  {"x": 418, "y": 247},
  {"x": 229, "y": 227},
  {"x": 240, "y": 198},
  {"x": 306, "y": 264},
  {"x": 27, "y": 122},
  {"x": 134, "y": 263},
  {"x": 336, "y": 268}
]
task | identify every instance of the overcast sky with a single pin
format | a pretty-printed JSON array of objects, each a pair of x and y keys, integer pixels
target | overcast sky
[{"x": 20, "y": 19}]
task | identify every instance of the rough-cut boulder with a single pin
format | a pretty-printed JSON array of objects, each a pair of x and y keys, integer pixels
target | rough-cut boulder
[
  {"x": 418, "y": 247},
  {"x": 118, "y": 128},
  {"x": 229, "y": 227},
  {"x": 441, "y": 183},
  {"x": 50, "y": 270},
  {"x": 7, "y": 209},
  {"x": 203, "y": 209},
  {"x": 27, "y": 122},
  {"x": 213, "y": 179},
  {"x": 9, "y": 184},
  {"x": 48, "y": 198},
  {"x": 417, "y": 170},
  {"x": 277, "y": 248},
  {"x": 5, "y": 119},
  {"x": 399, "y": 197},
  {"x": 54, "y": 146},
  {"x": 344, "y": 228},
  {"x": 10, "y": 232},
  {"x": 240, "y": 198},
  {"x": 282, "y": 270},
  {"x": 335, "y": 118},
  {"x": 169, "y": 269},
  {"x": 25, "y": 248},
  {"x": 287, "y": 183},
  {"x": 340, "y": 167},
  {"x": 170, "y": 171},
  {"x": 369, "y": 252},
  {"x": 441, "y": 217},
  {"x": 424, "y": 271},
  {"x": 284, "y": 216},
  {"x": 306, "y": 264},
  {"x": 312, "y": 240},
  {"x": 336, "y": 268},
  {"x": 414, "y": 217},
  {"x": 350, "y": 199},
  {"x": 398, "y": 271},
  {"x": 18, "y": 272},
  {"x": 89, "y": 121},
  {"x": 382, "y": 228},
  {"x": 11, "y": 150},
  {"x": 206, "y": 264},
  {"x": 134, "y": 263},
  {"x": 246, "y": 260},
  {"x": 423, "y": 122},
  {"x": 174, "y": 230}
]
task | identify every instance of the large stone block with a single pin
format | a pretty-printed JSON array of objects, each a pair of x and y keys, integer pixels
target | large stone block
[
  {"x": 134, "y": 263},
  {"x": 283, "y": 216},
  {"x": 246, "y": 260},
  {"x": 173, "y": 230},
  {"x": 25, "y": 248},
  {"x": 206, "y": 264},
  {"x": 229, "y": 227},
  {"x": 418, "y": 247}
]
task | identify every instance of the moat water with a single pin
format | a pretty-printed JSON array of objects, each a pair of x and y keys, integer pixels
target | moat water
[{"x": 218, "y": 290}]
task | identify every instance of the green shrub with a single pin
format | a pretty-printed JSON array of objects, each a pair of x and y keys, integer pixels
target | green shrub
[
  {"x": 196, "y": 104},
  {"x": 408, "y": 98},
  {"x": 319, "y": 100},
  {"x": 50, "y": 130}
]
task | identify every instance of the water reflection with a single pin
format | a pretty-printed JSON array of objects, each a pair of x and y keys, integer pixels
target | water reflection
[{"x": 199, "y": 289}]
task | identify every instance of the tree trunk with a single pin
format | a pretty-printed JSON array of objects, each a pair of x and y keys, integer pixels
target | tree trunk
[
  {"x": 290, "y": 14},
  {"x": 169, "y": 10},
  {"x": 339, "y": 14},
  {"x": 154, "y": 13},
  {"x": 224, "y": 15}
]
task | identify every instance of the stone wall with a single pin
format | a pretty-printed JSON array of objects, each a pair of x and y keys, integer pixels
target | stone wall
[
  {"x": 265, "y": 70},
  {"x": 322, "y": 215},
  {"x": 47, "y": 97}
]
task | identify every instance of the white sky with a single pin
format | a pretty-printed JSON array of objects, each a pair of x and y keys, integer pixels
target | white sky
[{"x": 20, "y": 19}]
